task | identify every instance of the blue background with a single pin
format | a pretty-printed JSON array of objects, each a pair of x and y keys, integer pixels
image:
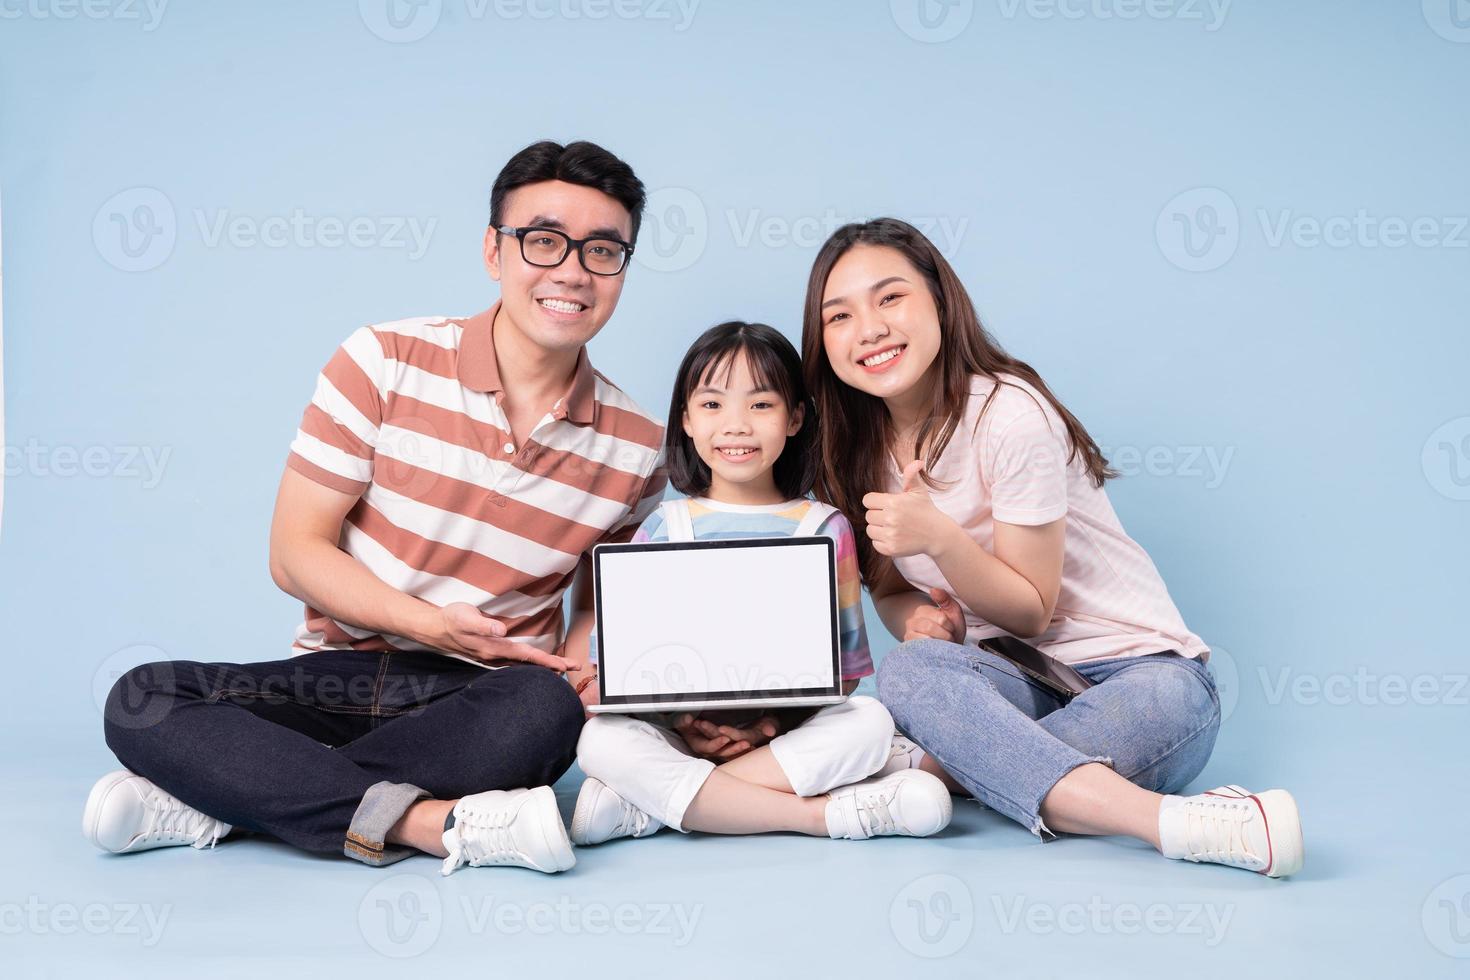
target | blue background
[{"x": 1046, "y": 146}]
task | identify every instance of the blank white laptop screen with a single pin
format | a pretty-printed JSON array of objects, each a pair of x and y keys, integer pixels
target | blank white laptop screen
[{"x": 701, "y": 623}]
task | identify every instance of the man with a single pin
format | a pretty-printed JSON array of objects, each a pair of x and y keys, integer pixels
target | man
[{"x": 447, "y": 484}]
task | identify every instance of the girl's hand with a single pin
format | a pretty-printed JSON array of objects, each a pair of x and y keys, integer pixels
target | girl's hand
[
  {"x": 944, "y": 620},
  {"x": 907, "y": 523},
  {"x": 721, "y": 743}
]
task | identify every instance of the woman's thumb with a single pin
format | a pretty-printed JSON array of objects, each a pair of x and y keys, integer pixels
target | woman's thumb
[
  {"x": 941, "y": 598},
  {"x": 913, "y": 476}
]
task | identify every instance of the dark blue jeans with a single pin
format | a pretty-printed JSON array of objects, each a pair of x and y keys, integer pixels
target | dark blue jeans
[{"x": 326, "y": 751}]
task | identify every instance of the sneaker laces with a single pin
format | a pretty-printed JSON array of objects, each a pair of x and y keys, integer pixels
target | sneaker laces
[
  {"x": 483, "y": 837},
  {"x": 170, "y": 820},
  {"x": 631, "y": 822},
  {"x": 1215, "y": 830},
  {"x": 874, "y": 809}
]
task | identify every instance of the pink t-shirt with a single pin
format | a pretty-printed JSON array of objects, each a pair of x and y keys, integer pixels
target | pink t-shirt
[{"x": 1013, "y": 467}]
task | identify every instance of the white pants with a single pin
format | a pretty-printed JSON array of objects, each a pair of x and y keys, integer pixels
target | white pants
[{"x": 649, "y": 765}]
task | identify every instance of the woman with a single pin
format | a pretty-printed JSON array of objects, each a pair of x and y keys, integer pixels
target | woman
[{"x": 978, "y": 504}]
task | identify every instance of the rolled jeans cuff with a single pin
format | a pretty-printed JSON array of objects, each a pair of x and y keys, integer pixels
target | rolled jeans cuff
[{"x": 382, "y": 806}]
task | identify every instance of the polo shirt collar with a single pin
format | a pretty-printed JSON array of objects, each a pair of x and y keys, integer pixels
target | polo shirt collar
[{"x": 479, "y": 370}]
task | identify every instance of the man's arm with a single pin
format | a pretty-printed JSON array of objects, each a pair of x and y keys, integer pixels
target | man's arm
[
  {"x": 306, "y": 562},
  {"x": 575, "y": 647}
]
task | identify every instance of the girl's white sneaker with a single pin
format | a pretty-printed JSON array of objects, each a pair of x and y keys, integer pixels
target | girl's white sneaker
[
  {"x": 519, "y": 828},
  {"x": 126, "y": 812},
  {"x": 903, "y": 754},
  {"x": 603, "y": 815},
  {"x": 910, "y": 803},
  {"x": 1259, "y": 832}
]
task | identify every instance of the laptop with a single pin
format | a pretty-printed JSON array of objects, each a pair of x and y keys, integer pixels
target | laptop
[{"x": 697, "y": 625}]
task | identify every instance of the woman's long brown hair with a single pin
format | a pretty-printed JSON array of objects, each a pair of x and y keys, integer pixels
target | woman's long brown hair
[{"x": 856, "y": 430}]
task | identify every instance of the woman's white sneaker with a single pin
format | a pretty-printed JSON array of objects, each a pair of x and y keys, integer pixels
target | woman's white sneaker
[
  {"x": 603, "y": 815},
  {"x": 1259, "y": 832},
  {"x": 910, "y": 803},
  {"x": 126, "y": 812},
  {"x": 519, "y": 828}
]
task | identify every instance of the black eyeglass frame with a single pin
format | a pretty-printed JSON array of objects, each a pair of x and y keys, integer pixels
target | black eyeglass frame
[{"x": 573, "y": 245}]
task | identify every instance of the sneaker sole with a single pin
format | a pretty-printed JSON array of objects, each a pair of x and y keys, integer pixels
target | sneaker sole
[
  {"x": 92, "y": 812},
  {"x": 556, "y": 837}
]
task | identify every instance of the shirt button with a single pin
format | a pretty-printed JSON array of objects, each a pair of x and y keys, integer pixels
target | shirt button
[{"x": 510, "y": 447}]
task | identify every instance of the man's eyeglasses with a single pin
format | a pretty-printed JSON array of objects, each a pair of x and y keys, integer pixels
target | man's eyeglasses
[{"x": 548, "y": 248}]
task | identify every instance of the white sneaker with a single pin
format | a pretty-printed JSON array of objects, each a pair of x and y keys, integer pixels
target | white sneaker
[
  {"x": 1259, "y": 832},
  {"x": 125, "y": 812},
  {"x": 603, "y": 815},
  {"x": 904, "y": 754},
  {"x": 519, "y": 828},
  {"x": 909, "y": 802}
]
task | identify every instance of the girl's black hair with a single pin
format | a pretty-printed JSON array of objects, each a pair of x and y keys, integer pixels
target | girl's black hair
[{"x": 774, "y": 364}]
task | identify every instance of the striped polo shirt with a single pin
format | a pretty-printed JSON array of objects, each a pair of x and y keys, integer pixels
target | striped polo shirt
[{"x": 407, "y": 416}]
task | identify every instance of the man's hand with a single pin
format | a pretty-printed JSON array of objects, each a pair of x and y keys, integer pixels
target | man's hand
[
  {"x": 942, "y": 621},
  {"x": 907, "y": 523},
  {"x": 465, "y": 630},
  {"x": 721, "y": 743}
]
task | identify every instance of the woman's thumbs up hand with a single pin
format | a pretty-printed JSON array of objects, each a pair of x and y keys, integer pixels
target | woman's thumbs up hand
[{"x": 907, "y": 523}]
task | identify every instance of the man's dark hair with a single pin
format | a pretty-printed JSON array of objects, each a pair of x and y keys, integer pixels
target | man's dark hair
[
  {"x": 776, "y": 366},
  {"x": 581, "y": 163}
]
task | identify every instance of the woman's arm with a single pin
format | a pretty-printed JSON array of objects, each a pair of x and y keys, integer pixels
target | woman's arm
[{"x": 1016, "y": 588}]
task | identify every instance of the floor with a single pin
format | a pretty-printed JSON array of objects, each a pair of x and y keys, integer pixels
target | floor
[{"x": 1385, "y": 890}]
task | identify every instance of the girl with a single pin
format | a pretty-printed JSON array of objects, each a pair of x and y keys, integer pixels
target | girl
[
  {"x": 983, "y": 515},
  {"x": 740, "y": 440}
]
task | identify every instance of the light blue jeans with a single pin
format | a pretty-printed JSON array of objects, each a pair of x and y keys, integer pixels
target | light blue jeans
[{"x": 1008, "y": 740}]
